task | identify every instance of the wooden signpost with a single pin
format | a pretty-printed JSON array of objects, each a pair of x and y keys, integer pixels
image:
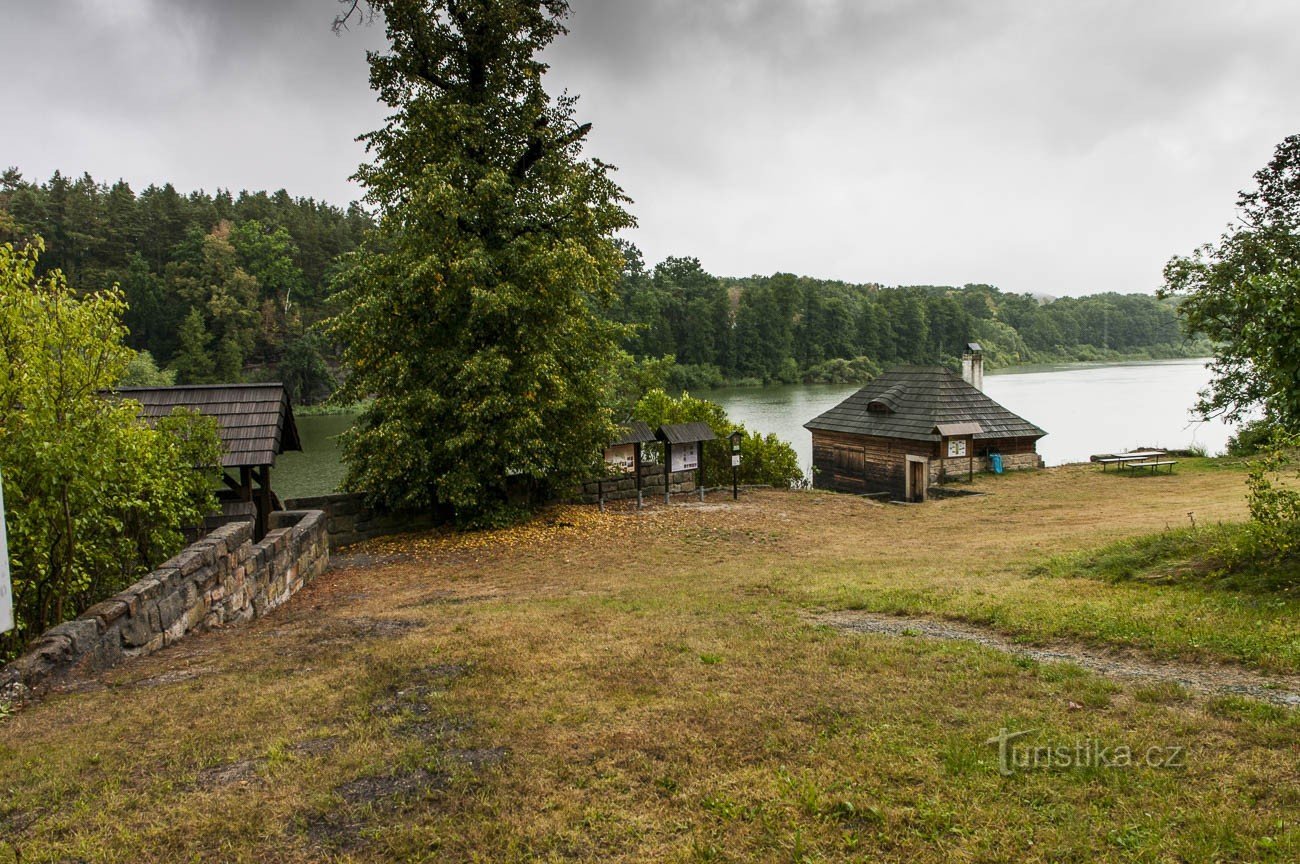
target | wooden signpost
[{"x": 736, "y": 438}]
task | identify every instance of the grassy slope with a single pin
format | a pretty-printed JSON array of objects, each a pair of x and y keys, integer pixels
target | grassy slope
[{"x": 662, "y": 698}]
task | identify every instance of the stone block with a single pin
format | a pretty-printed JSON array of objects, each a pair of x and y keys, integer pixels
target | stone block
[
  {"x": 170, "y": 608},
  {"x": 107, "y": 613},
  {"x": 81, "y": 633},
  {"x": 137, "y": 629},
  {"x": 150, "y": 587}
]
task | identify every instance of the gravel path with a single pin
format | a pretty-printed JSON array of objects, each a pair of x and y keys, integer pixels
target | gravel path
[{"x": 1205, "y": 679}]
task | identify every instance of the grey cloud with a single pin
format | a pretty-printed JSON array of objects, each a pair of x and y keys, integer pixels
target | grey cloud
[{"x": 1048, "y": 146}]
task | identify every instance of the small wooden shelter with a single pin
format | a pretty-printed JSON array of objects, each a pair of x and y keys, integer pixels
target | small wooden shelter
[
  {"x": 683, "y": 451},
  {"x": 623, "y": 454},
  {"x": 255, "y": 423},
  {"x": 914, "y": 426}
]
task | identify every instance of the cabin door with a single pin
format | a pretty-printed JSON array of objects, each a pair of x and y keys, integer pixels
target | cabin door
[{"x": 917, "y": 474}]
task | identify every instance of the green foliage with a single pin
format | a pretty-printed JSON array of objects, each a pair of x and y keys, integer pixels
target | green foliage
[
  {"x": 303, "y": 370},
  {"x": 1244, "y": 295},
  {"x": 475, "y": 314},
  {"x": 192, "y": 362},
  {"x": 693, "y": 376},
  {"x": 142, "y": 371},
  {"x": 1251, "y": 438},
  {"x": 859, "y": 370},
  {"x": 256, "y": 266},
  {"x": 786, "y": 328},
  {"x": 93, "y": 497},
  {"x": 765, "y": 460},
  {"x": 1274, "y": 499}
]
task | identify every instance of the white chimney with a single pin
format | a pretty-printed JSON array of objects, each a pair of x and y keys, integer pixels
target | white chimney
[{"x": 972, "y": 366}]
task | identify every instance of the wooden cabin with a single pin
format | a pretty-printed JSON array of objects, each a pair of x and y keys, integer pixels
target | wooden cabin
[
  {"x": 915, "y": 426},
  {"x": 255, "y": 423}
]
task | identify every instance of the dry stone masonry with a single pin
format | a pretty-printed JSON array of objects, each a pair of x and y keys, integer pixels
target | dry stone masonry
[{"x": 225, "y": 578}]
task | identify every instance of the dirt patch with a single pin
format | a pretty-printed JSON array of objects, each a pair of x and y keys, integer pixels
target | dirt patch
[
  {"x": 174, "y": 677},
  {"x": 425, "y": 682},
  {"x": 314, "y": 746},
  {"x": 434, "y": 731},
  {"x": 479, "y": 758},
  {"x": 449, "y": 598},
  {"x": 377, "y": 628},
  {"x": 1206, "y": 679},
  {"x": 365, "y": 790},
  {"x": 354, "y": 560},
  {"x": 337, "y": 830},
  {"x": 241, "y": 773}
]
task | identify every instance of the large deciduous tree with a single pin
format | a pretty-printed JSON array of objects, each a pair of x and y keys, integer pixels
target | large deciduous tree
[
  {"x": 474, "y": 313},
  {"x": 1244, "y": 294}
]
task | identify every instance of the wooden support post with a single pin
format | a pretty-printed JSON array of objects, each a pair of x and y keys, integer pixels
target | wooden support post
[
  {"x": 699, "y": 471},
  {"x": 667, "y": 473},
  {"x": 263, "y": 502},
  {"x": 636, "y": 468}
]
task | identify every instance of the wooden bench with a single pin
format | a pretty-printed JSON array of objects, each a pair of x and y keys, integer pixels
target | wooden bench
[{"x": 1154, "y": 464}]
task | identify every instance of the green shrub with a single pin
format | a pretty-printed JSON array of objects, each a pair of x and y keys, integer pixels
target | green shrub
[
  {"x": 93, "y": 497},
  {"x": 1252, "y": 438},
  {"x": 765, "y": 459},
  {"x": 859, "y": 370}
]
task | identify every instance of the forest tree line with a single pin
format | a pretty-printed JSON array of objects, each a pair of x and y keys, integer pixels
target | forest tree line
[
  {"x": 787, "y": 328},
  {"x": 219, "y": 287},
  {"x": 224, "y": 288}
]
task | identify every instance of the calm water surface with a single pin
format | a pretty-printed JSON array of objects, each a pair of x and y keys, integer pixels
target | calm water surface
[{"x": 1085, "y": 409}]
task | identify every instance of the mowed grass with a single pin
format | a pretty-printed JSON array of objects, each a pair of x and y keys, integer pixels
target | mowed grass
[{"x": 636, "y": 688}]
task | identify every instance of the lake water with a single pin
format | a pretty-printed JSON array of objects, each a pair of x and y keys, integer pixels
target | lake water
[{"x": 1086, "y": 409}]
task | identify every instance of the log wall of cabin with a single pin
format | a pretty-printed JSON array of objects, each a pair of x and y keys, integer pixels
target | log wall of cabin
[{"x": 864, "y": 463}]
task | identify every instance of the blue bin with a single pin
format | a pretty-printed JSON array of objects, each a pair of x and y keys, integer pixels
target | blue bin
[{"x": 995, "y": 459}]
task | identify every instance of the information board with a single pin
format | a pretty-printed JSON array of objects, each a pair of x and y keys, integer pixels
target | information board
[
  {"x": 686, "y": 457},
  {"x": 6, "y": 587},
  {"x": 621, "y": 457},
  {"x": 956, "y": 447}
]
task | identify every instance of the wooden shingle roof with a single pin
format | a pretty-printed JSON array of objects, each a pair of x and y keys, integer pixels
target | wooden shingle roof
[
  {"x": 633, "y": 432},
  {"x": 913, "y": 401},
  {"x": 684, "y": 433},
  {"x": 255, "y": 421}
]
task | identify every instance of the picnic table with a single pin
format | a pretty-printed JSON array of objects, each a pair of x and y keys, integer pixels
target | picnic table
[{"x": 1136, "y": 459}]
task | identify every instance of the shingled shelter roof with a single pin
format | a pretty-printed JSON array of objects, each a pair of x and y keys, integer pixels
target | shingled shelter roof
[
  {"x": 915, "y": 401},
  {"x": 255, "y": 421},
  {"x": 684, "y": 433},
  {"x": 633, "y": 432}
]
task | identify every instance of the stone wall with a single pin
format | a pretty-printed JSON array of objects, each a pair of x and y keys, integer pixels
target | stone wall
[
  {"x": 348, "y": 519},
  {"x": 956, "y": 468},
  {"x": 652, "y": 485},
  {"x": 225, "y": 578}
]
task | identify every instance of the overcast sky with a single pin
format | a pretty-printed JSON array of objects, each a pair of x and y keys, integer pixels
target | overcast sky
[{"x": 1056, "y": 147}]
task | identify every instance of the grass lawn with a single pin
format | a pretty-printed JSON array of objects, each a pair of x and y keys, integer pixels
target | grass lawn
[{"x": 617, "y": 687}]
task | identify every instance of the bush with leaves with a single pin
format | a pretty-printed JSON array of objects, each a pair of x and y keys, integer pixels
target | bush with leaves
[
  {"x": 93, "y": 497},
  {"x": 859, "y": 370},
  {"x": 765, "y": 459},
  {"x": 1274, "y": 499}
]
